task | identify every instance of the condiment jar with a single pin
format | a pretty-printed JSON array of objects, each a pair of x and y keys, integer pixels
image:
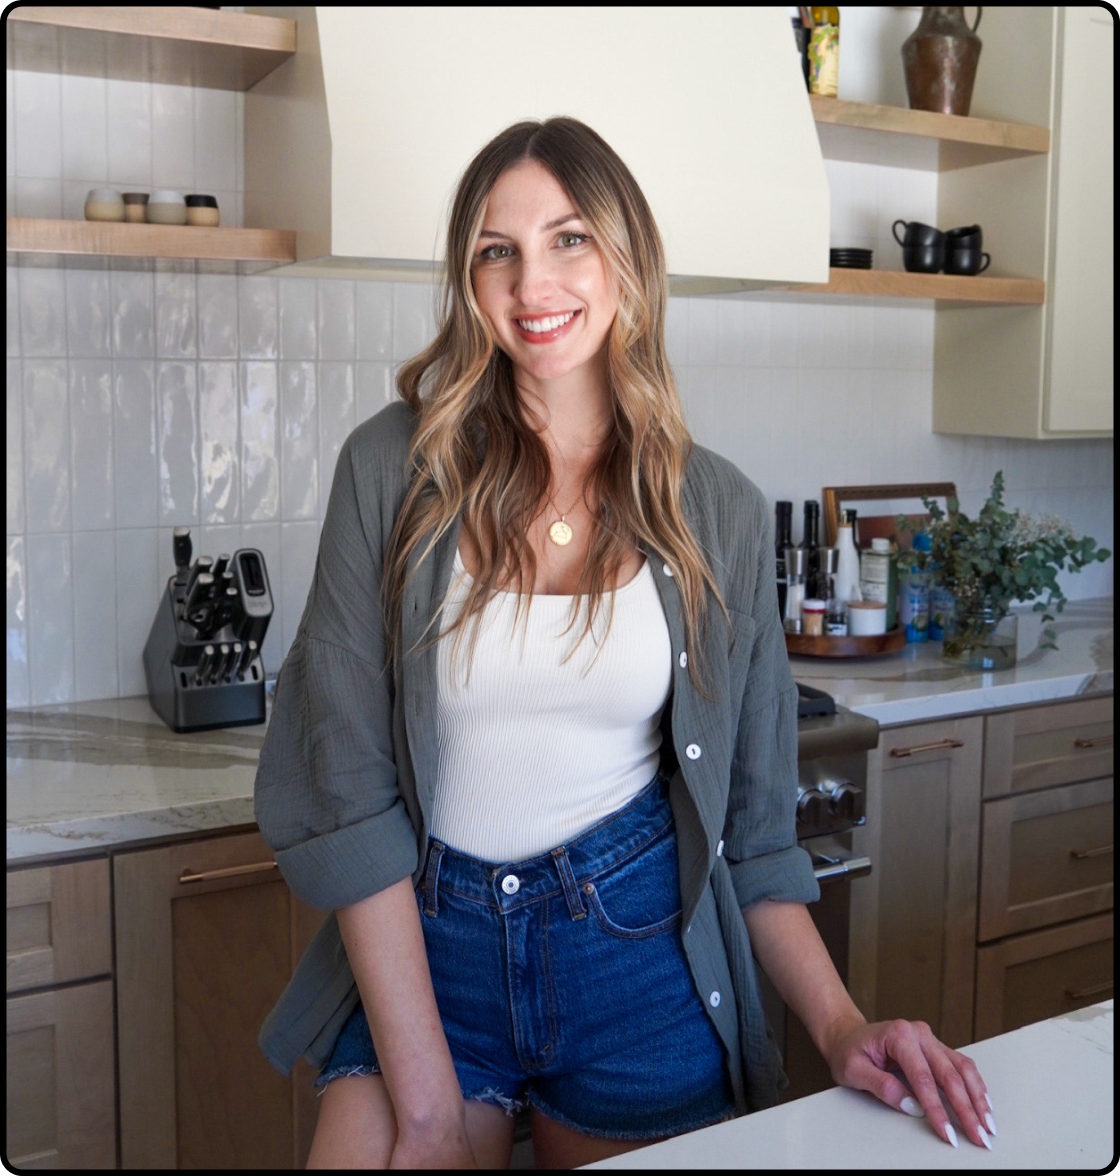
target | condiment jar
[
  {"x": 812, "y": 617},
  {"x": 167, "y": 208},
  {"x": 136, "y": 207},
  {"x": 202, "y": 211},
  {"x": 104, "y": 204}
]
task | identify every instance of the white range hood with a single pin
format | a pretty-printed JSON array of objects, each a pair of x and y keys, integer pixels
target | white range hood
[{"x": 357, "y": 141}]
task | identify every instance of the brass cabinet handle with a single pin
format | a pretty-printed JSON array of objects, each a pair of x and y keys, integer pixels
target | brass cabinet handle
[
  {"x": 940, "y": 745},
  {"x": 1093, "y": 990},
  {"x": 228, "y": 872},
  {"x": 1096, "y": 741},
  {"x": 1082, "y": 854}
]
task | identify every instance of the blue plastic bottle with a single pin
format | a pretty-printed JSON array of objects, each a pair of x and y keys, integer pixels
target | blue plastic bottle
[{"x": 915, "y": 593}]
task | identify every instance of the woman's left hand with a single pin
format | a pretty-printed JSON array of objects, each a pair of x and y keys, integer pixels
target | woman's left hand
[{"x": 862, "y": 1056}]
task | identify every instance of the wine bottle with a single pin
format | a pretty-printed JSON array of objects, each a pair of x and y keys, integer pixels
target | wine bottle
[
  {"x": 783, "y": 538},
  {"x": 811, "y": 541}
]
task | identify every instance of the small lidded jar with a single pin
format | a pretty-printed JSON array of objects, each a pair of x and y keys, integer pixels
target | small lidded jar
[
  {"x": 136, "y": 207},
  {"x": 812, "y": 617},
  {"x": 104, "y": 204},
  {"x": 202, "y": 211},
  {"x": 166, "y": 208}
]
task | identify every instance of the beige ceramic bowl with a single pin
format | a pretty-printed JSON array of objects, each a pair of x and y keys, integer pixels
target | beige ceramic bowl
[
  {"x": 167, "y": 208},
  {"x": 104, "y": 204}
]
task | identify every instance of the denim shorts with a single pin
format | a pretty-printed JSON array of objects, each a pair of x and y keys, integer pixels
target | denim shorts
[{"x": 561, "y": 982}]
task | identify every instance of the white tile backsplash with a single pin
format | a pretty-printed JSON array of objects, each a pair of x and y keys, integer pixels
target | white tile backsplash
[{"x": 144, "y": 396}]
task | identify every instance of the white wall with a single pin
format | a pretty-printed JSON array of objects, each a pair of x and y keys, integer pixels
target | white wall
[{"x": 141, "y": 397}]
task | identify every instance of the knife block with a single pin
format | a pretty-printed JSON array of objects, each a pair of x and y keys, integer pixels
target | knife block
[{"x": 171, "y": 659}]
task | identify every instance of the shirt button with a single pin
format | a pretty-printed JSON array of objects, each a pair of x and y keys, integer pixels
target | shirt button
[
  {"x": 683, "y": 659},
  {"x": 666, "y": 569},
  {"x": 719, "y": 850},
  {"x": 693, "y": 751},
  {"x": 713, "y": 1000},
  {"x": 510, "y": 884}
]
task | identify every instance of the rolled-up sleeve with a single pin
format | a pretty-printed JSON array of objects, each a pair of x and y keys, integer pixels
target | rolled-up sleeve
[
  {"x": 760, "y": 839},
  {"x": 326, "y": 797}
]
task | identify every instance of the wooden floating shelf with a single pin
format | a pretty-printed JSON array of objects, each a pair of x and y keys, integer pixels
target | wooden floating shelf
[
  {"x": 177, "y": 45},
  {"x": 940, "y": 287},
  {"x": 114, "y": 239}
]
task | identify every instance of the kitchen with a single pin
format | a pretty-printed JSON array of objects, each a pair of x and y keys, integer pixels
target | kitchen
[{"x": 143, "y": 396}]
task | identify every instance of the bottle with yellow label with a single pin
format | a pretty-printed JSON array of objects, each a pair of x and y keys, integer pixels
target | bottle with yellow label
[{"x": 824, "y": 52}]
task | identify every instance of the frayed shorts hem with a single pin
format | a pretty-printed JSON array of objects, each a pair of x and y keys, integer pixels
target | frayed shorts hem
[
  {"x": 511, "y": 1106},
  {"x": 626, "y": 1136}
]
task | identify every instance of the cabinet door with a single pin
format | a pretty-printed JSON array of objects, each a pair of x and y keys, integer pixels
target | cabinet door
[
  {"x": 207, "y": 936},
  {"x": 914, "y": 919},
  {"x": 60, "y": 1078}
]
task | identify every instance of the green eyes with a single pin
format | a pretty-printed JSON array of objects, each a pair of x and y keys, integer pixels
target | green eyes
[{"x": 502, "y": 252}]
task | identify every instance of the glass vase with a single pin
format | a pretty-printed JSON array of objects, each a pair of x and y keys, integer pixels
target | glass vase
[{"x": 979, "y": 638}]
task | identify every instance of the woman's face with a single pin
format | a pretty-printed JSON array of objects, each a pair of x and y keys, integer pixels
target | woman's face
[{"x": 540, "y": 279}]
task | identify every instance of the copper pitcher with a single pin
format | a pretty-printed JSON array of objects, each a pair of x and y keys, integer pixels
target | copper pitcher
[{"x": 940, "y": 58}]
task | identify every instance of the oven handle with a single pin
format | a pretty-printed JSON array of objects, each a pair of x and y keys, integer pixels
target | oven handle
[{"x": 834, "y": 868}]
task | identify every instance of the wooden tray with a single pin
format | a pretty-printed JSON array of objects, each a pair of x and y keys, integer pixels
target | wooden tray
[{"x": 876, "y": 646}]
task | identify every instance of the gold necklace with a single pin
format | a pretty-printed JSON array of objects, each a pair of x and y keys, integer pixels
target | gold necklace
[{"x": 560, "y": 532}]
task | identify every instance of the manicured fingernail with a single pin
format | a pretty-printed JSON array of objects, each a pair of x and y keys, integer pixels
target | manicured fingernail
[
  {"x": 984, "y": 1138},
  {"x": 991, "y": 1124},
  {"x": 989, "y": 1098},
  {"x": 912, "y": 1107},
  {"x": 951, "y": 1135}
]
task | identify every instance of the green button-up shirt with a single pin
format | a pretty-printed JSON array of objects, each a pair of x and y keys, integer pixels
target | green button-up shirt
[{"x": 345, "y": 783}]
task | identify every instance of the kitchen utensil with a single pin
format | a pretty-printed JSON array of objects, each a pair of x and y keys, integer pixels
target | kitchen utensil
[
  {"x": 196, "y": 609},
  {"x": 181, "y": 549},
  {"x": 916, "y": 233},
  {"x": 203, "y": 564},
  {"x": 940, "y": 58},
  {"x": 967, "y": 261}
]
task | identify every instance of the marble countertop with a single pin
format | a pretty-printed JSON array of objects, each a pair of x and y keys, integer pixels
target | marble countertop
[
  {"x": 84, "y": 777},
  {"x": 1051, "y": 1087},
  {"x": 917, "y": 684}
]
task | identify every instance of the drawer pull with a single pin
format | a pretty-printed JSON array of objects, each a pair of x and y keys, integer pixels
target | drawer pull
[
  {"x": 228, "y": 872},
  {"x": 1097, "y": 741},
  {"x": 1082, "y": 854},
  {"x": 1093, "y": 990},
  {"x": 940, "y": 745}
]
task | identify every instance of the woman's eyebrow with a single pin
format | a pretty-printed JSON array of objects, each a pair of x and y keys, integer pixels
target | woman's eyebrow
[{"x": 571, "y": 216}]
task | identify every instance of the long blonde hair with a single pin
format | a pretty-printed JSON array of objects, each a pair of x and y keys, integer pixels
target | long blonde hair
[{"x": 474, "y": 454}]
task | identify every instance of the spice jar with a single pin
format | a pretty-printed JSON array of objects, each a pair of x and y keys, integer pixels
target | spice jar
[
  {"x": 202, "y": 211},
  {"x": 104, "y": 204},
  {"x": 812, "y": 617}
]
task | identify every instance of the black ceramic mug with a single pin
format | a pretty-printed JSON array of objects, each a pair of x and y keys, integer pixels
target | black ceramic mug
[
  {"x": 963, "y": 253},
  {"x": 916, "y": 234},
  {"x": 924, "y": 259}
]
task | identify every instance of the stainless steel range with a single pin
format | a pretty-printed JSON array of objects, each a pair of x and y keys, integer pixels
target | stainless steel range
[{"x": 832, "y": 747}]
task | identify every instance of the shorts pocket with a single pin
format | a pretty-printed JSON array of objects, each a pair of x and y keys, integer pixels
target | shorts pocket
[{"x": 641, "y": 897}]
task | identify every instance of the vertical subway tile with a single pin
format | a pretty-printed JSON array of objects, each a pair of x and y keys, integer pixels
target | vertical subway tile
[
  {"x": 138, "y": 588},
  {"x": 39, "y": 119},
  {"x": 50, "y": 618},
  {"x": 35, "y": 197},
  {"x": 13, "y": 310},
  {"x": 703, "y": 332},
  {"x": 46, "y": 445},
  {"x": 134, "y": 432},
  {"x": 676, "y": 331},
  {"x": 95, "y": 616},
  {"x": 177, "y": 399},
  {"x": 217, "y": 316},
  {"x": 130, "y": 133},
  {"x": 257, "y": 317},
  {"x": 783, "y": 334},
  {"x": 42, "y": 311},
  {"x": 91, "y": 443},
  {"x": 265, "y": 538},
  {"x": 336, "y": 319},
  {"x": 132, "y": 298},
  {"x": 14, "y": 437},
  {"x": 260, "y": 473},
  {"x": 85, "y": 144},
  {"x": 299, "y": 546},
  {"x": 217, "y": 416},
  {"x": 731, "y": 315},
  {"x": 298, "y": 318},
  {"x": 299, "y": 441},
  {"x": 18, "y": 671},
  {"x": 215, "y": 139},
  {"x": 756, "y": 323},
  {"x": 176, "y": 315},
  {"x": 374, "y": 314},
  {"x": 374, "y": 388},
  {"x": 413, "y": 318},
  {"x": 87, "y": 313},
  {"x": 223, "y": 539},
  {"x": 172, "y": 137},
  {"x": 336, "y": 419}
]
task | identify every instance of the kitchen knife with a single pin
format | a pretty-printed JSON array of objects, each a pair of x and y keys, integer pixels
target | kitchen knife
[
  {"x": 205, "y": 662},
  {"x": 181, "y": 547},
  {"x": 198, "y": 598},
  {"x": 247, "y": 657},
  {"x": 219, "y": 661},
  {"x": 226, "y": 609},
  {"x": 220, "y": 565},
  {"x": 203, "y": 564},
  {"x": 232, "y": 663}
]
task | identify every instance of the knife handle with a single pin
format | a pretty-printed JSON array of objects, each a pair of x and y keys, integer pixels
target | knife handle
[
  {"x": 247, "y": 657},
  {"x": 198, "y": 598},
  {"x": 181, "y": 548},
  {"x": 203, "y": 564},
  {"x": 220, "y": 565},
  {"x": 205, "y": 660}
]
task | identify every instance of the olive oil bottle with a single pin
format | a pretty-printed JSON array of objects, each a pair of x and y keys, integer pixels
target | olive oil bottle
[{"x": 824, "y": 52}]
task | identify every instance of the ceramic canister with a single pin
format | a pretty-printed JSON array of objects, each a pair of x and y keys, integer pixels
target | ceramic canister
[
  {"x": 202, "y": 211},
  {"x": 104, "y": 204},
  {"x": 167, "y": 208}
]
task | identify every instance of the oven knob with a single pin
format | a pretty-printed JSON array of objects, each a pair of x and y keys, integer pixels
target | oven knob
[
  {"x": 846, "y": 803},
  {"x": 812, "y": 807}
]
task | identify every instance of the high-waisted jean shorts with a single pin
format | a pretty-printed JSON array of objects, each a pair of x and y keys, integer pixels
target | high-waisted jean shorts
[{"x": 561, "y": 982}]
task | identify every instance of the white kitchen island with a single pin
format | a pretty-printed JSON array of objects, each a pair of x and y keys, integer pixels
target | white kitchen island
[{"x": 1051, "y": 1086}]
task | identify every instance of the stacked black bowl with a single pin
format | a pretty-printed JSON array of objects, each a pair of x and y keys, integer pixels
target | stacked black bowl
[{"x": 849, "y": 258}]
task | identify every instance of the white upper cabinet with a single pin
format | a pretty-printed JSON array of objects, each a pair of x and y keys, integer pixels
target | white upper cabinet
[
  {"x": 358, "y": 141},
  {"x": 1047, "y": 371}
]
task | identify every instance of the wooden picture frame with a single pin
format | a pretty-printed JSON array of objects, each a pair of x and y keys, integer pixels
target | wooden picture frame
[{"x": 889, "y": 500}]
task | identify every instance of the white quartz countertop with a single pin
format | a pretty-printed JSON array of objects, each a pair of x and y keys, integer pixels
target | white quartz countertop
[
  {"x": 1051, "y": 1086},
  {"x": 916, "y": 683}
]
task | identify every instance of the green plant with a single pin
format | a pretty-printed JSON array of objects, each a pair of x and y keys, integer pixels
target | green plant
[{"x": 1003, "y": 556}]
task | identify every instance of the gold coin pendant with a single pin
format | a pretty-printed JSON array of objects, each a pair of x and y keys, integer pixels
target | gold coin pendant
[{"x": 560, "y": 533}]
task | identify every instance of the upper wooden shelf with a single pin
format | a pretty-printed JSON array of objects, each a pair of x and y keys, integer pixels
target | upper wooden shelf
[
  {"x": 934, "y": 141},
  {"x": 178, "y": 45},
  {"x": 944, "y": 288},
  {"x": 113, "y": 239}
]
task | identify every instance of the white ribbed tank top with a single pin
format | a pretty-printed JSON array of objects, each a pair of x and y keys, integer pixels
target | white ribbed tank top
[{"x": 533, "y": 748}]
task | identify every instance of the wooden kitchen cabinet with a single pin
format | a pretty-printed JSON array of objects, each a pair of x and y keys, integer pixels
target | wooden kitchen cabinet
[
  {"x": 61, "y": 1100},
  {"x": 207, "y": 935}
]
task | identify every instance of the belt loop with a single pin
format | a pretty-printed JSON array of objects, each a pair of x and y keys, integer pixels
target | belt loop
[
  {"x": 568, "y": 880},
  {"x": 431, "y": 879}
]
